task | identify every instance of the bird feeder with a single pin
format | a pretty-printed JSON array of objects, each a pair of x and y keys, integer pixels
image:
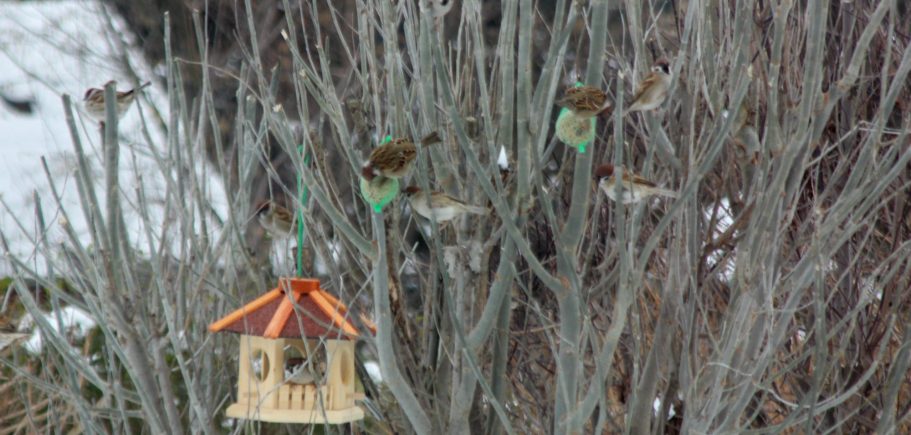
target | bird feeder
[
  {"x": 575, "y": 131},
  {"x": 379, "y": 191},
  {"x": 296, "y": 356}
]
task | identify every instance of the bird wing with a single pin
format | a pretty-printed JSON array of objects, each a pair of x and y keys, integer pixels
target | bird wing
[
  {"x": 645, "y": 85},
  {"x": 568, "y": 99},
  {"x": 635, "y": 179},
  {"x": 282, "y": 213},
  {"x": 583, "y": 97},
  {"x": 440, "y": 199},
  {"x": 395, "y": 154}
]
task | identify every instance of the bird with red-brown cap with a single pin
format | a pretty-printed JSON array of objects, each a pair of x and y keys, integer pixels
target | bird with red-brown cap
[
  {"x": 652, "y": 90},
  {"x": 633, "y": 188},
  {"x": 438, "y": 205}
]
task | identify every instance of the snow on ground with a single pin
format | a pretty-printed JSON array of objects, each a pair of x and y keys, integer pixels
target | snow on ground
[
  {"x": 373, "y": 370},
  {"x": 724, "y": 220},
  {"x": 71, "y": 321},
  {"x": 656, "y": 407},
  {"x": 502, "y": 159},
  {"x": 48, "y": 49}
]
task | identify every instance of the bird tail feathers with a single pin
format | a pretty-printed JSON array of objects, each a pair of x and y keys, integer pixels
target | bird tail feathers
[
  {"x": 431, "y": 139},
  {"x": 137, "y": 89},
  {"x": 664, "y": 192}
]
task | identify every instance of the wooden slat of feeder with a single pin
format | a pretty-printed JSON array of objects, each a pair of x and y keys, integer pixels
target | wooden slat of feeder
[
  {"x": 333, "y": 300},
  {"x": 299, "y": 285},
  {"x": 281, "y": 316},
  {"x": 320, "y": 299},
  {"x": 367, "y": 322},
  {"x": 249, "y": 308},
  {"x": 284, "y": 396}
]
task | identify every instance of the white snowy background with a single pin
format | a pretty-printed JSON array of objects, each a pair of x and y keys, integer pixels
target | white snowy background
[{"x": 48, "y": 49}]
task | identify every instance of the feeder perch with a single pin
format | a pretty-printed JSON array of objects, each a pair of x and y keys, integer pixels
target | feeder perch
[{"x": 296, "y": 356}]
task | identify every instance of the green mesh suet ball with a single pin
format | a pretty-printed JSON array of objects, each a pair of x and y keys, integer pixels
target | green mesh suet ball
[
  {"x": 575, "y": 131},
  {"x": 379, "y": 192}
]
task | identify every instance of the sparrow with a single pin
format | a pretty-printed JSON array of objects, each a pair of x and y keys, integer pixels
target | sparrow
[
  {"x": 742, "y": 118},
  {"x": 395, "y": 158},
  {"x": 278, "y": 221},
  {"x": 438, "y": 206},
  {"x": 743, "y": 134},
  {"x": 584, "y": 101},
  {"x": 633, "y": 188},
  {"x": 93, "y": 101},
  {"x": 297, "y": 372},
  {"x": 438, "y": 8},
  {"x": 653, "y": 89}
]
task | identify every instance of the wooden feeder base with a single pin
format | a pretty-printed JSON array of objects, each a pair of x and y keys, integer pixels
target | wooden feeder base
[{"x": 251, "y": 412}]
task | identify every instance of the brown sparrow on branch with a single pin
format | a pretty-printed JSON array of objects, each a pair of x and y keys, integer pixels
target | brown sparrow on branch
[
  {"x": 633, "y": 188},
  {"x": 395, "y": 158},
  {"x": 652, "y": 91},
  {"x": 584, "y": 101},
  {"x": 438, "y": 206},
  {"x": 93, "y": 101},
  {"x": 278, "y": 221}
]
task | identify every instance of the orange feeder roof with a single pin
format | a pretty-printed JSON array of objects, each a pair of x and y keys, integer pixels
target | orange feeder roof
[{"x": 308, "y": 311}]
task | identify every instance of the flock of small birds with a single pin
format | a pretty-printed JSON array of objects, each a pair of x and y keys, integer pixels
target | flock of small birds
[
  {"x": 588, "y": 102},
  {"x": 394, "y": 159}
]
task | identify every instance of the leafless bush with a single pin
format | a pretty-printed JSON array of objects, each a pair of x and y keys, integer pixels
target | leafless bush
[{"x": 771, "y": 297}]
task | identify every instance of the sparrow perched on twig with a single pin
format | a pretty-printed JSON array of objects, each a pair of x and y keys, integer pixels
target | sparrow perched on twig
[
  {"x": 633, "y": 188},
  {"x": 584, "y": 101},
  {"x": 439, "y": 206},
  {"x": 395, "y": 158},
  {"x": 742, "y": 118},
  {"x": 438, "y": 8},
  {"x": 93, "y": 101},
  {"x": 576, "y": 123},
  {"x": 278, "y": 221},
  {"x": 652, "y": 91}
]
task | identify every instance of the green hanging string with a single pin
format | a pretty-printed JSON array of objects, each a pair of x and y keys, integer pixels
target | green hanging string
[{"x": 301, "y": 228}]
